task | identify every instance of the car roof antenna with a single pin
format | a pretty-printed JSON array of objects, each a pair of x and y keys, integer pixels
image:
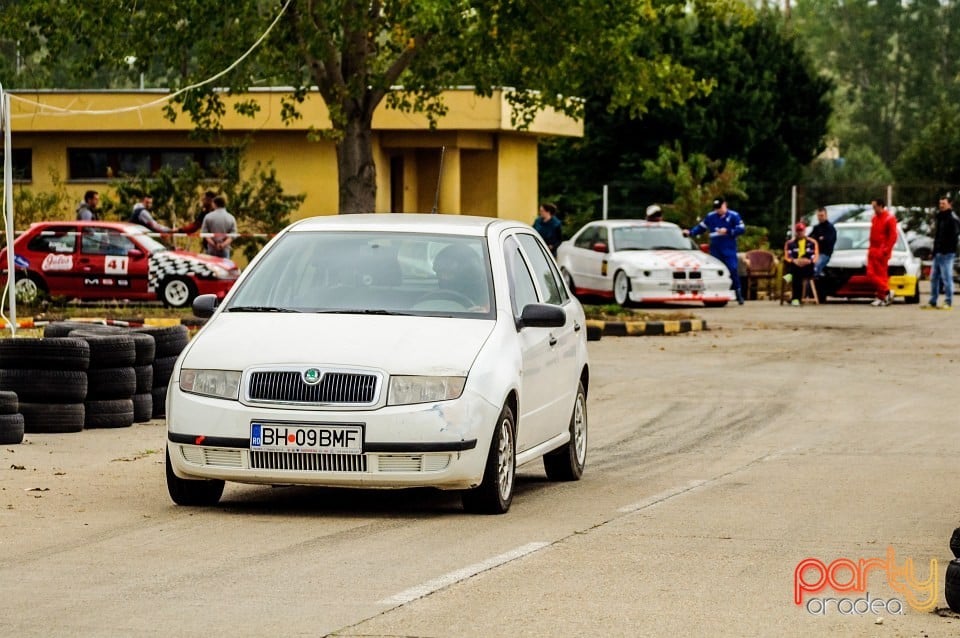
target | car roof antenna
[{"x": 436, "y": 196}]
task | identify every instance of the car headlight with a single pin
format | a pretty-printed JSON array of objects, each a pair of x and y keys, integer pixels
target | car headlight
[
  {"x": 219, "y": 272},
  {"x": 411, "y": 389},
  {"x": 222, "y": 384}
]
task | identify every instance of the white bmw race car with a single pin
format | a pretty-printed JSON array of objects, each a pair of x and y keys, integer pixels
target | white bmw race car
[{"x": 635, "y": 262}]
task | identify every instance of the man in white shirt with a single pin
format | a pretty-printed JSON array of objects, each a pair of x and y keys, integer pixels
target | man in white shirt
[{"x": 218, "y": 227}]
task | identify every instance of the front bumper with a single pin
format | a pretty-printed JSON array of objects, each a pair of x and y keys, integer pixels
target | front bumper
[{"x": 440, "y": 444}]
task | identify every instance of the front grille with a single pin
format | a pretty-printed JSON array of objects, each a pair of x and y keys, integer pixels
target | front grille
[
  {"x": 308, "y": 462},
  {"x": 287, "y": 386},
  {"x": 696, "y": 274},
  {"x": 681, "y": 274}
]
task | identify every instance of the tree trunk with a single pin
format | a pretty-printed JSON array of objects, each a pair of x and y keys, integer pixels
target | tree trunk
[{"x": 357, "y": 174}]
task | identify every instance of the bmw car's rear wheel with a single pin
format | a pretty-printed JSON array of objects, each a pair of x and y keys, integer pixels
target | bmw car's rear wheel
[
  {"x": 566, "y": 463},
  {"x": 915, "y": 297},
  {"x": 177, "y": 292},
  {"x": 495, "y": 492},
  {"x": 621, "y": 288},
  {"x": 192, "y": 493}
]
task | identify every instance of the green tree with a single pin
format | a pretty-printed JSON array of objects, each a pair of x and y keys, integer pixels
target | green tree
[
  {"x": 355, "y": 52},
  {"x": 768, "y": 109}
]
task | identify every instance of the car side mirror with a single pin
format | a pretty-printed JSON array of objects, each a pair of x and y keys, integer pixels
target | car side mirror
[
  {"x": 541, "y": 315},
  {"x": 601, "y": 247},
  {"x": 204, "y": 305},
  {"x": 135, "y": 253}
]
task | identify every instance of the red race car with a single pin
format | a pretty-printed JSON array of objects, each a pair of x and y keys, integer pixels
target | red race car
[{"x": 111, "y": 260}]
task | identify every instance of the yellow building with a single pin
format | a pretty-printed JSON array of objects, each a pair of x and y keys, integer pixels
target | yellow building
[{"x": 489, "y": 167}]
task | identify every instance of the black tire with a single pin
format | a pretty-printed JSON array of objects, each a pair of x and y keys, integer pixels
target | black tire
[
  {"x": 495, "y": 492},
  {"x": 192, "y": 493},
  {"x": 11, "y": 429},
  {"x": 170, "y": 340},
  {"x": 163, "y": 370},
  {"x": 111, "y": 383},
  {"x": 159, "y": 402},
  {"x": 621, "y": 289},
  {"x": 951, "y": 585},
  {"x": 108, "y": 413},
  {"x": 64, "y": 328},
  {"x": 39, "y": 386},
  {"x": 177, "y": 292},
  {"x": 915, "y": 297},
  {"x": 714, "y": 304},
  {"x": 52, "y": 417},
  {"x": 142, "y": 407},
  {"x": 144, "y": 375},
  {"x": 62, "y": 353},
  {"x": 109, "y": 350},
  {"x": 566, "y": 463},
  {"x": 9, "y": 403},
  {"x": 955, "y": 543},
  {"x": 145, "y": 347}
]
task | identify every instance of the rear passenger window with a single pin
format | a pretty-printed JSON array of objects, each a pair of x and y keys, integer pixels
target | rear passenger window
[
  {"x": 546, "y": 275},
  {"x": 54, "y": 240},
  {"x": 522, "y": 289}
]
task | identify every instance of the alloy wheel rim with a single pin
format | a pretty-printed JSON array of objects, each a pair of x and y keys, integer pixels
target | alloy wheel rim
[
  {"x": 580, "y": 429},
  {"x": 505, "y": 460},
  {"x": 620, "y": 286},
  {"x": 176, "y": 293},
  {"x": 26, "y": 290}
]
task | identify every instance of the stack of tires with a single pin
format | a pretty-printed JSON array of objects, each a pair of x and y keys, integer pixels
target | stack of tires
[
  {"x": 170, "y": 342},
  {"x": 111, "y": 379},
  {"x": 11, "y": 421},
  {"x": 951, "y": 581},
  {"x": 49, "y": 377}
]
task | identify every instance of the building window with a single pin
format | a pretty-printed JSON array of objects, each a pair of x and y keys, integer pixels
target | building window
[
  {"x": 107, "y": 163},
  {"x": 22, "y": 162}
]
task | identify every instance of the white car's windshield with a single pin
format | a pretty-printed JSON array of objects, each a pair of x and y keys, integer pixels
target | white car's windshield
[
  {"x": 858, "y": 238},
  {"x": 370, "y": 273},
  {"x": 650, "y": 238},
  {"x": 148, "y": 242}
]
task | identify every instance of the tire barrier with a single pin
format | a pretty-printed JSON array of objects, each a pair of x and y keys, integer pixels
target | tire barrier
[
  {"x": 49, "y": 378},
  {"x": 111, "y": 378},
  {"x": 170, "y": 342},
  {"x": 11, "y": 421},
  {"x": 951, "y": 585}
]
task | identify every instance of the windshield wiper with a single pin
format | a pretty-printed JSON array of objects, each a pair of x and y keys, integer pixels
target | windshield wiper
[
  {"x": 260, "y": 309},
  {"x": 671, "y": 248},
  {"x": 363, "y": 311}
]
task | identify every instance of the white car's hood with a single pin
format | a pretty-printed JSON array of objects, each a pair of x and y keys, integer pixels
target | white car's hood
[
  {"x": 397, "y": 345},
  {"x": 858, "y": 259},
  {"x": 672, "y": 259}
]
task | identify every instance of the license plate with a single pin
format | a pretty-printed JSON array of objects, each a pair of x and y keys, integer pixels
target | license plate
[
  {"x": 688, "y": 285},
  {"x": 290, "y": 437}
]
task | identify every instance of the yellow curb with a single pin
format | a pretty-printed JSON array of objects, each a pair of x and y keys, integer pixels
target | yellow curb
[
  {"x": 161, "y": 321},
  {"x": 671, "y": 327},
  {"x": 636, "y": 328},
  {"x": 596, "y": 323}
]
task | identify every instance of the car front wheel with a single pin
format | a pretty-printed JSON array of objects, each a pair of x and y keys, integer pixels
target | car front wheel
[
  {"x": 177, "y": 292},
  {"x": 621, "y": 288},
  {"x": 566, "y": 463},
  {"x": 192, "y": 493},
  {"x": 29, "y": 288},
  {"x": 495, "y": 492}
]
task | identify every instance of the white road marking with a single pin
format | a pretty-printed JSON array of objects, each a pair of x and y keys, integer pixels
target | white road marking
[
  {"x": 446, "y": 580},
  {"x": 662, "y": 496}
]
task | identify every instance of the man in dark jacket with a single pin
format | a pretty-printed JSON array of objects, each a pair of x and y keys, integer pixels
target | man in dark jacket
[
  {"x": 549, "y": 226},
  {"x": 826, "y": 237},
  {"x": 945, "y": 231}
]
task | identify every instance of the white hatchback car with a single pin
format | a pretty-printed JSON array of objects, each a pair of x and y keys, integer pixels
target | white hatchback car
[
  {"x": 384, "y": 351},
  {"x": 636, "y": 261}
]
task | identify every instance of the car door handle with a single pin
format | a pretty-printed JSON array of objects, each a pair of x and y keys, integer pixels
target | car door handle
[
  {"x": 553, "y": 340},
  {"x": 576, "y": 326}
]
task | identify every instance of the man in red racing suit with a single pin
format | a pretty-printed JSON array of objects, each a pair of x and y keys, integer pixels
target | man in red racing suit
[{"x": 883, "y": 235}]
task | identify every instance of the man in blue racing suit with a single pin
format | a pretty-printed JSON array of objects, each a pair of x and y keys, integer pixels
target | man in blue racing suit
[{"x": 724, "y": 227}]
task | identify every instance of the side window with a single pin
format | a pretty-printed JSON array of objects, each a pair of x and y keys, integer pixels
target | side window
[
  {"x": 544, "y": 272},
  {"x": 522, "y": 290},
  {"x": 102, "y": 241},
  {"x": 587, "y": 238},
  {"x": 57, "y": 240},
  {"x": 602, "y": 236}
]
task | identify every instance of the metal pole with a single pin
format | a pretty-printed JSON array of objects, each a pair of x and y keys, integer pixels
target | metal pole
[
  {"x": 605, "y": 199},
  {"x": 890, "y": 195},
  {"x": 8, "y": 206}
]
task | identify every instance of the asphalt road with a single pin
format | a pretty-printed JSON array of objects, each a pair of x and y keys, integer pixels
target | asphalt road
[{"x": 718, "y": 461}]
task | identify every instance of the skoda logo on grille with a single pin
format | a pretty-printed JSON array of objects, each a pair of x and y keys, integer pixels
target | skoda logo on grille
[{"x": 312, "y": 376}]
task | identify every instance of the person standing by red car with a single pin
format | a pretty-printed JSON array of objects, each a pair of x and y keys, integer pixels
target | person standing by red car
[{"x": 883, "y": 235}]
